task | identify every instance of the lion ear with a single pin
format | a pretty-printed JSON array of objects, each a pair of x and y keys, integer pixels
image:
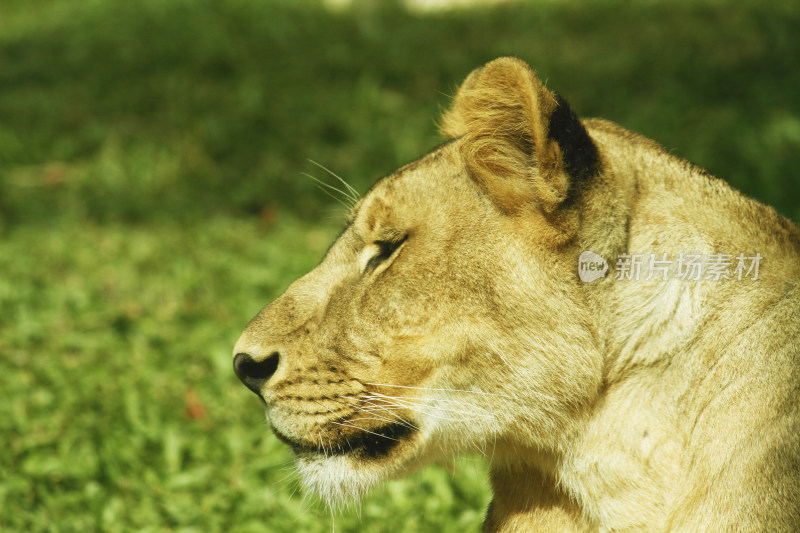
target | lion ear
[{"x": 521, "y": 142}]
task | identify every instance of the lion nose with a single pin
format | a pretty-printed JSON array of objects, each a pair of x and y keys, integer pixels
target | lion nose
[{"x": 255, "y": 373}]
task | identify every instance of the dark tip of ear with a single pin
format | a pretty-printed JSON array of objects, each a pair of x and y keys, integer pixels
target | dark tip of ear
[{"x": 581, "y": 160}]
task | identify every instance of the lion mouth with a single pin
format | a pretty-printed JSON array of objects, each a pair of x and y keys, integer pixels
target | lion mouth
[{"x": 372, "y": 443}]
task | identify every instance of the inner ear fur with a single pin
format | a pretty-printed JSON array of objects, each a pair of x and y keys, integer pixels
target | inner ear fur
[{"x": 516, "y": 134}]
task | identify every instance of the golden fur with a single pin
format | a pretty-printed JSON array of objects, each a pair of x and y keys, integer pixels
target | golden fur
[{"x": 449, "y": 316}]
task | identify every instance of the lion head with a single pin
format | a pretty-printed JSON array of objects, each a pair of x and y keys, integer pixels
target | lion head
[{"x": 444, "y": 317}]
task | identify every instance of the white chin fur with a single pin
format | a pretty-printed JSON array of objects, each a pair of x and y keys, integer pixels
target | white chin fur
[{"x": 340, "y": 479}]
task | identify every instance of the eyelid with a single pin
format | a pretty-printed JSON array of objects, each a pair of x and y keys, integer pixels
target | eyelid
[{"x": 386, "y": 249}]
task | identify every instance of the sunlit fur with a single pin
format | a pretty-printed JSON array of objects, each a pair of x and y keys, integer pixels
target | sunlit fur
[{"x": 449, "y": 314}]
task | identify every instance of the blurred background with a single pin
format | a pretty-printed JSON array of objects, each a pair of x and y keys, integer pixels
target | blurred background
[{"x": 153, "y": 199}]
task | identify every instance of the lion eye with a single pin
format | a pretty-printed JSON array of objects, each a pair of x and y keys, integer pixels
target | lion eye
[{"x": 381, "y": 251}]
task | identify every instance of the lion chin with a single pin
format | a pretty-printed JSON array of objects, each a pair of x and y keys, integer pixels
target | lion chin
[
  {"x": 339, "y": 479},
  {"x": 342, "y": 472}
]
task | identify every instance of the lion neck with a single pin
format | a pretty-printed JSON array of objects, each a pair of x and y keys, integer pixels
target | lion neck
[
  {"x": 637, "y": 209},
  {"x": 624, "y": 447}
]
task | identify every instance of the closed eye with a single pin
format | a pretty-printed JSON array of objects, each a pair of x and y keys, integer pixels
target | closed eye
[{"x": 382, "y": 251}]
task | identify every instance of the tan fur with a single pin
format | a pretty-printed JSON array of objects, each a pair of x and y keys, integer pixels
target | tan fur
[{"x": 616, "y": 405}]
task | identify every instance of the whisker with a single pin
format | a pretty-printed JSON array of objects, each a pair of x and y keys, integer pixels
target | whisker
[
  {"x": 374, "y": 409},
  {"x": 321, "y": 184},
  {"x": 343, "y": 424},
  {"x": 397, "y": 419},
  {"x": 348, "y": 397},
  {"x": 373, "y": 418},
  {"x": 282, "y": 482},
  {"x": 352, "y": 426},
  {"x": 440, "y": 408},
  {"x": 438, "y": 390},
  {"x": 412, "y": 399},
  {"x": 477, "y": 392},
  {"x": 328, "y": 185},
  {"x": 439, "y": 413},
  {"x": 354, "y": 195},
  {"x": 376, "y": 416}
]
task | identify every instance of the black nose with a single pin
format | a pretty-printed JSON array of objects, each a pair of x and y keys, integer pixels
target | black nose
[{"x": 255, "y": 373}]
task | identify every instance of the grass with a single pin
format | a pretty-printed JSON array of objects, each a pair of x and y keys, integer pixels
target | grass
[
  {"x": 152, "y": 200},
  {"x": 121, "y": 413}
]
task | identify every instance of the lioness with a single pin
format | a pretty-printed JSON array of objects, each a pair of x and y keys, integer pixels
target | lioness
[{"x": 661, "y": 394}]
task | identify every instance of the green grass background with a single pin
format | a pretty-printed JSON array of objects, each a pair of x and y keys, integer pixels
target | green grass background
[{"x": 152, "y": 201}]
